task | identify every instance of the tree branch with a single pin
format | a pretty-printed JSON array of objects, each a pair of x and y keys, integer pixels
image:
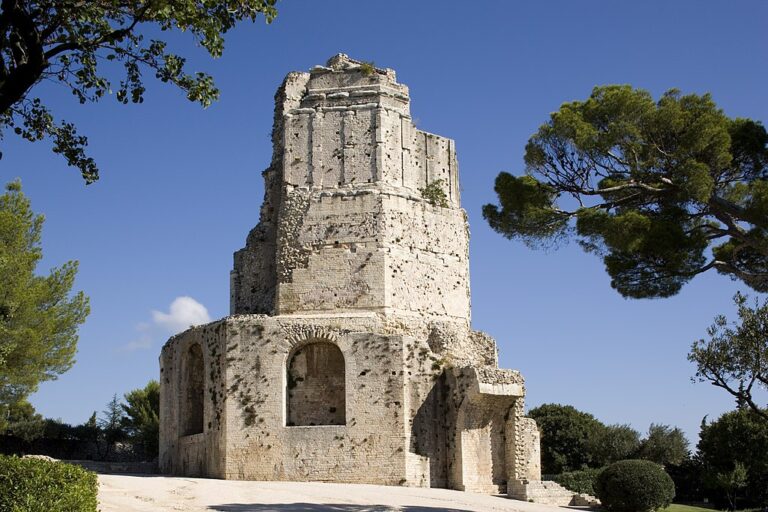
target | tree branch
[
  {"x": 111, "y": 37},
  {"x": 28, "y": 67},
  {"x": 717, "y": 380}
]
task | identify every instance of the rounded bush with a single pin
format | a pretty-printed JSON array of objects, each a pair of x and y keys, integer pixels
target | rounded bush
[
  {"x": 634, "y": 486},
  {"x": 38, "y": 485}
]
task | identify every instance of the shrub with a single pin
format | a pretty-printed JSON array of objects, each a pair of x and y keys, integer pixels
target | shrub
[
  {"x": 634, "y": 486},
  {"x": 579, "y": 481},
  {"x": 367, "y": 68},
  {"x": 37, "y": 485},
  {"x": 434, "y": 193}
]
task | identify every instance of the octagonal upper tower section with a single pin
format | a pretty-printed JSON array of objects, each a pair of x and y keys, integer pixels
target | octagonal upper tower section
[
  {"x": 352, "y": 127},
  {"x": 361, "y": 210}
]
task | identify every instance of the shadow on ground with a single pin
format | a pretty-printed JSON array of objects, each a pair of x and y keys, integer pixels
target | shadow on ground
[{"x": 315, "y": 507}]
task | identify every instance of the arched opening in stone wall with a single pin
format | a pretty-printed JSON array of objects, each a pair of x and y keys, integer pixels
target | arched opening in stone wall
[
  {"x": 191, "y": 406},
  {"x": 316, "y": 393},
  {"x": 480, "y": 456}
]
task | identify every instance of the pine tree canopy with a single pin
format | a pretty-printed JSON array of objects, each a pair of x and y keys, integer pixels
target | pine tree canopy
[
  {"x": 39, "y": 317},
  {"x": 661, "y": 190}
]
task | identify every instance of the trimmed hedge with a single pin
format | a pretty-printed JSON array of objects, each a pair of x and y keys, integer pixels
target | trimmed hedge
[
  {"x": 579, "y": 481},
  {"x": 634, "y": 486},
  {"x": 37, "y": 485}
]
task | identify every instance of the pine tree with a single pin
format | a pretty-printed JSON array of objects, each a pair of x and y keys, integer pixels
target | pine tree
[{"x": 38, "y": 317}]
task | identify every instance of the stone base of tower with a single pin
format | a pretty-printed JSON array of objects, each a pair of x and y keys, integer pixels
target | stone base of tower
[{"x": 343, "y": 398}]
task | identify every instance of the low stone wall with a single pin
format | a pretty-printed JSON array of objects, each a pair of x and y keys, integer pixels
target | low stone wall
[{"x": 141, "y": 468}]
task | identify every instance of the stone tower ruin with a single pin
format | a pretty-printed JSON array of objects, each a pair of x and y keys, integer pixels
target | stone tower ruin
[{"x": 349, "y": 355}]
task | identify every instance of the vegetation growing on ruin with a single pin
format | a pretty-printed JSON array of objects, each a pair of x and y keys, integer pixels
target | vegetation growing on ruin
[
  {"x": 367, "y": 68},
  {"x": 434, "y": 194}
]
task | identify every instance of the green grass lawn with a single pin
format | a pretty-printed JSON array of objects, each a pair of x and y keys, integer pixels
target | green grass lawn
[{"x": 685, "y": 508}]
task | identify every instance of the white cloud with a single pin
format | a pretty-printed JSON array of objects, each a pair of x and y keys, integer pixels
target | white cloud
[
  {"x": 141, "y": 343},
  {"x": 184, "y": 312}
]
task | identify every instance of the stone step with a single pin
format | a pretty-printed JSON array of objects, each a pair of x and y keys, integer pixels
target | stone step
[
  {"x": 585, "y": 500},
  {"x": 548, "y": 492}
]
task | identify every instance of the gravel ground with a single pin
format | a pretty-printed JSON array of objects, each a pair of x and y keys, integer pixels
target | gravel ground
[{"x": 138, "y": 493}]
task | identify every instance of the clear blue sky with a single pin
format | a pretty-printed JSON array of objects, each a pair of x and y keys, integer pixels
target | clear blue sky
[{"x": 181, "y": 186}]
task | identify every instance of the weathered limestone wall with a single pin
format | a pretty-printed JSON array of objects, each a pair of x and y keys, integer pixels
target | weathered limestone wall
[
  {"x": 254, "y": 278},
  {"x": 353, "y": 229},
  {"x": 386, "y": 408},
  {"x": 262, "y": 443},
  {"x": 328, "y": 257},
  {"x": 352, "y": 129},
  {"x": 427, "y": 262},
  {"x": 528, "y": 449},
  {"x": 198, "y": 450},
  {"x": 485, "y": 401},
  {"x": 372, "y": 251}
]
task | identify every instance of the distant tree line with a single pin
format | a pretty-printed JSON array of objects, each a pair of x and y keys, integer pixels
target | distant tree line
[
  {"x": 126, "y": 429},
  {"x": 573, "y": 440},
  {"x": 729, "y": 467}
]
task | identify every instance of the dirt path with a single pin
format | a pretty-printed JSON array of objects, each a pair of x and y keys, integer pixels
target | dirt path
[{"x": 123, "y": 493}]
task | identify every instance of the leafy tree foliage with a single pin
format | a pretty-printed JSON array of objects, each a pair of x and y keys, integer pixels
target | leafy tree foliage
[
  {"x": 731, "y": 482},
  {"x": 142, "y": 416},
  {"x": 20, "y": 419},
  {"x": 76, "y": 43},
  {"x": 689, "y": 480},
  {"x": 89, "y": 431},
  {"x": 434, "y": 193},
  {"x": 737, "y": 438},
  {"x": 566, "y": 436},
  {"x": 664, "y": 445},
  {"x": 649, "y": 186},
  {"x": 735, "y": 357},
  {"x": 613, "y": 443},
  {"x": 38, "y": 317},
  {"x": 111, "y": 424},
  {"x": 572, "y": 440}
]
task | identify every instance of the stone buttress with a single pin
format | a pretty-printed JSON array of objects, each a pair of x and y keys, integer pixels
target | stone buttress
[{"x": 348, "y": 355}]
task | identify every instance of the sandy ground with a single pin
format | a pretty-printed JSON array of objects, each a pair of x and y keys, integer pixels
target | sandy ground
[{"x": 126, "y": 493}]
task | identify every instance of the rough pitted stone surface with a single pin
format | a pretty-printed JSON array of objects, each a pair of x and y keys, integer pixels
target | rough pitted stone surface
[
  {"x": 344, "y": 226},
  {"x": 349, "y": 355}
]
